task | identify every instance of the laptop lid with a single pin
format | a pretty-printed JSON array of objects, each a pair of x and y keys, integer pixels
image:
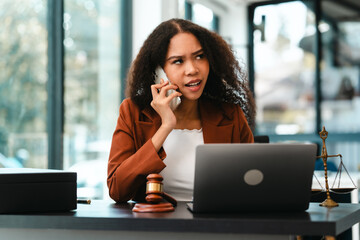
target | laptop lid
[{"x": 253, "y": 177}]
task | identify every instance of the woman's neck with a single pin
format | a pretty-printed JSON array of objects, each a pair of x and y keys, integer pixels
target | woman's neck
[{"x": 187, "y": 115}]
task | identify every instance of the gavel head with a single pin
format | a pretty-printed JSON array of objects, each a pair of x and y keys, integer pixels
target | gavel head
[{"x": 154, "y": 188}]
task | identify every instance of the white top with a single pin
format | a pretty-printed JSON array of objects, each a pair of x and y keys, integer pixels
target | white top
[{"x": 179, "y": 172}]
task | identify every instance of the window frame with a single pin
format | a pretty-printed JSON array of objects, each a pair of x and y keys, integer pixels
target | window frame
[{"x": 55, "y": 111}]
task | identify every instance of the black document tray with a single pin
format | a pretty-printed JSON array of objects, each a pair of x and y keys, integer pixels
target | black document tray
[{"x": 37, "y": 190}]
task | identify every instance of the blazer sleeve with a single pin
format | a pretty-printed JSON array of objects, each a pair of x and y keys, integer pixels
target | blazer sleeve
[
  {"x": 128, "y": 165},
  {"x": 246, "y": 135}
]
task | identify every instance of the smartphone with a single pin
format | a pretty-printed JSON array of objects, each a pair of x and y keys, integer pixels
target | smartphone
[{"x": 160, "y": 74}]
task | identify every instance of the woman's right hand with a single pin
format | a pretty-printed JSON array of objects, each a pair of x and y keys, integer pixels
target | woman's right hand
[
  {"x": 161, "y": 105},
  {"x": 161, "y": 102}
]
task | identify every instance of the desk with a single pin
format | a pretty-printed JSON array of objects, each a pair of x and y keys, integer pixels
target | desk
[{"x": 107, "y": 220}]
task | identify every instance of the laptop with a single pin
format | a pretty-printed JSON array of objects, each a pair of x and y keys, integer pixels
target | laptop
[{"x": 253, "y": 177}]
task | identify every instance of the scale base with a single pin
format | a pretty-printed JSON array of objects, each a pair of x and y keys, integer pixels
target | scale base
[{"x": 329, "y": 203}]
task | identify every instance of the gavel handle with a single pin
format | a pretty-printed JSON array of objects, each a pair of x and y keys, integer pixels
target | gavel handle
[{"x": 170, "y": 199}]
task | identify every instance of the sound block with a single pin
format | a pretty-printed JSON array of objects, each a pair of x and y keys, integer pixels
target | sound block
[{"x": 153, "y": 208}]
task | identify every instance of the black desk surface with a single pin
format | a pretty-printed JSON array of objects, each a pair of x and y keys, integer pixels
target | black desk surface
[{"x": 106, "y": 215}]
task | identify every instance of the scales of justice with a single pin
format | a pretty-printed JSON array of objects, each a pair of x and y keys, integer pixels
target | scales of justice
[{"x": 328, "y": 202}]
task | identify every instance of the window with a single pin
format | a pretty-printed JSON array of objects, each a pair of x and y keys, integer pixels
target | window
[
  {"x": 285, "y": 72},
  {"x": 204, "y": 17},
  {"x": 340, "y": 76},
  {"x": 199, "y": 14},
  {"x": 23, "y": 84},
  {"x": 91, "y": 90},
  {"x": 306, "y": 73}
]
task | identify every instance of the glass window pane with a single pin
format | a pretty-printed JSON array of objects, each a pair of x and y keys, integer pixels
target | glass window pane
[
  {"x": 181, "y": 8},
  {"x": 340, "y": 81},
  {"x": 23, "y": 77},
  {"x": 341, "y": 76},
  {"x": 284, "y": 68},
  {"x": 203, "y": 16},
  {"x": 92, "y": 90}
]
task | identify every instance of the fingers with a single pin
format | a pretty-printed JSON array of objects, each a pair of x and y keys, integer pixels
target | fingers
[
  {"x": 162, "y": 94},
  {"x": 167, "y": 90},
  {"x": 162, "y": 88},
  {"x": 175, "y": 94},
  {"x": 155, "y": 88}
]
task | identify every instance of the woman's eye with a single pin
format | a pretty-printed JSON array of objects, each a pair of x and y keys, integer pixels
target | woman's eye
[
  {"x": 200, "y": 56},
  {"x": 177, "y": 61}
]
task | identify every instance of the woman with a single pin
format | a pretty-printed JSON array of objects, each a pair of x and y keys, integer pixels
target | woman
[{"x": 216, "y": 107}]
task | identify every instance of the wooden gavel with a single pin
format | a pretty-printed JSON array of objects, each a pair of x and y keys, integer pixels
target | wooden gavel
[{"x": 154, "y": 197}]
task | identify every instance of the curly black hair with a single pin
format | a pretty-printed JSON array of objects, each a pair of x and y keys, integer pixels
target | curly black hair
[{"x": 227, "y": 82}]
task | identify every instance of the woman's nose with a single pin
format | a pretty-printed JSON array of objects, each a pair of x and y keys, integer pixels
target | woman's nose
[{"x": 191, "y": 68}]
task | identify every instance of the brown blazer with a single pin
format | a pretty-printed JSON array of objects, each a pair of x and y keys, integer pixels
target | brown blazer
[{"x": 133, "y": 156}]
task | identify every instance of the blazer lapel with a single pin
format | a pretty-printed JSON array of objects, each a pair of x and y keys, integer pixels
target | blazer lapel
[
  {"x": 217, "y": 134},
  {"x": 146, "y": 126},
  {"x": 216, "y": 123}
]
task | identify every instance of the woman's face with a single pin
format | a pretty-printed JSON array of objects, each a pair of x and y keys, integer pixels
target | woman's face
[{"x": 186, "y": 65}]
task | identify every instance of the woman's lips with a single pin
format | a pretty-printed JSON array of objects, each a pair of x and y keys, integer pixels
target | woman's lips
[{"x": 194, "y": 85}]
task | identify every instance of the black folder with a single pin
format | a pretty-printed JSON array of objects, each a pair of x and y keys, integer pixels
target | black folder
[{"x": 37, "y": 190}]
